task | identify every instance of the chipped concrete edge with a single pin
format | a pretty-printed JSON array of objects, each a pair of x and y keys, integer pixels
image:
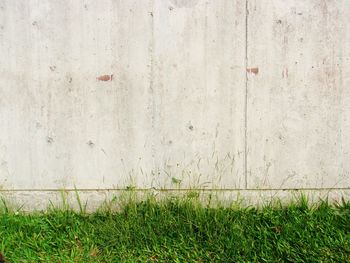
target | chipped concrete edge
[{"x": 91, "y": 200}]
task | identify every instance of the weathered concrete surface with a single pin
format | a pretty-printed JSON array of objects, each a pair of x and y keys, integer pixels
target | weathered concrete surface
[
  {"x": 298, "y": 103},
  {"x": 174, "y": 94},
  {"x": 106, "y": 94},
  {"x": 63, "y": 122},
  {"x": 198, "y": 82}
]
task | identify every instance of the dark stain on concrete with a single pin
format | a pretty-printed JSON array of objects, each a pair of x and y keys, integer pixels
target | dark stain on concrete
[
  {"x": 184, "y": 3},
  {"x": 254, "y": 71},
  {"x": 105, "y": 78},
  {"x": 279, "y": 21}
]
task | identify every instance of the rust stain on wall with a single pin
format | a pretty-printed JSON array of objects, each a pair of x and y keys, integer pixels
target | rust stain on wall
[
  {"x": 285, "y": 73},
  {"x": 254, "y": 71},
  {"x": 105, "y": 78}
]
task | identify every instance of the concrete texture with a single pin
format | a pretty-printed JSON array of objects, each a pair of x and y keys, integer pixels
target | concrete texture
[
  {"x": 174, "y": 94},
  {"x": 298, "y": 104}
]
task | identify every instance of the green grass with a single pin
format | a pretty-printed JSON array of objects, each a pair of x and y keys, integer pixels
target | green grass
[{"x": 180, "y": 230}]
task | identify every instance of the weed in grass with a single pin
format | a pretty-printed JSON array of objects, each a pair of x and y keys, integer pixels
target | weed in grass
[
  {"x": 180, "y": 230},
  {"x": 82, "y": 208}
]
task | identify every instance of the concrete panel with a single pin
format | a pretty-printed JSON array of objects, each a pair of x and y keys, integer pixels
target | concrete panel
[
  {"x": 199, "y": 83},
  {"x": 74, "y": 93},
  {"x": 298, "y": 94}
]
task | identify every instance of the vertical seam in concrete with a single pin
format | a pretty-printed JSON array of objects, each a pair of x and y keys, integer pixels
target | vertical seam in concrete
[
  {"x": 246, "y": 99},
  {"x": 151, "y": 83}
]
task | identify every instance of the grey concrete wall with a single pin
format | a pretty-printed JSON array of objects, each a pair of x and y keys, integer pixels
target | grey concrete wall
[
  {"x": 235, "y": 95},
  {"x": 298, "y": 115}
]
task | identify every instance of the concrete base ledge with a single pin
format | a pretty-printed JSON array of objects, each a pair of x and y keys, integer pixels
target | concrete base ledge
[{"x": 91, "y": 200}]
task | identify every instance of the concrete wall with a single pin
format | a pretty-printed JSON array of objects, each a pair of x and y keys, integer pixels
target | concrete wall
[{"x": 238, "y": 95}]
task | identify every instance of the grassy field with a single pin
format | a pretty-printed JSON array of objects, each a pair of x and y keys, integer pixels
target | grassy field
[{"x": 180, "y": 230}]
